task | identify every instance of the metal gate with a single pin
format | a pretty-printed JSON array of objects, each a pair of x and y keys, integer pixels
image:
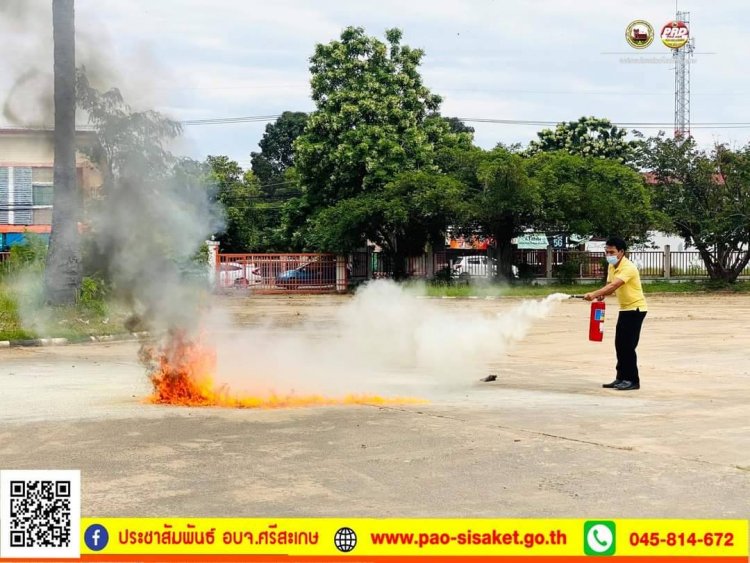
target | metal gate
[{"x": 282, "y": 273}]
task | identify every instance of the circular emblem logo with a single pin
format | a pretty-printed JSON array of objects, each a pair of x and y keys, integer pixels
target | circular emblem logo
[
  {"x": 345, "y": 539},
  {"x": 96, "y": 537},
  {"x": 675, "y": 34},
  {"x": 600, "y": 540},
  {"x": 639, "y": 34}
]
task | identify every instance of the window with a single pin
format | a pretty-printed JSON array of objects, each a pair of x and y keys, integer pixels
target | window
[
  {"x": 41, "y": 182},
  {"x": 42, "y": 195},
  {"x": 42, "y": 216}
]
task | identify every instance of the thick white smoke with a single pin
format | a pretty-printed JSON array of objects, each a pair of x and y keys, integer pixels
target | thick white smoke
[{"x": 384, "y": 341}]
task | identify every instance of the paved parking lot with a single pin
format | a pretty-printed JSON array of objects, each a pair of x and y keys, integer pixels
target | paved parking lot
[{"x": 543, "y": 440}]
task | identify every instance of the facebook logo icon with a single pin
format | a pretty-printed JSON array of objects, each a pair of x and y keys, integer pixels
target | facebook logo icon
[{"x": 96, "y": 537}]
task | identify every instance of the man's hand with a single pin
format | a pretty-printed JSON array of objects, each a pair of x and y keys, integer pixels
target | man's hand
[{"x": 589, "y": 297}]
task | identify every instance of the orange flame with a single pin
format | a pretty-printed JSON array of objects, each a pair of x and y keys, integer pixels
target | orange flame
[{"x": 181, "y": 374}]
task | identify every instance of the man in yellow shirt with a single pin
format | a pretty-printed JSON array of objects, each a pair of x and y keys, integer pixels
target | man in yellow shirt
[{"x": 624, "y": 281}]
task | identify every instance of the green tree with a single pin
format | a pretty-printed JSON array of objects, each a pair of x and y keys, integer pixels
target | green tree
[
  {"x": 506, "y": 202},
  {"x": 276, "y": 154},
  {"x": 131, "y": 145},
  {"x": 278, "y": 180},
  {"x": 549, "y": 191},
  {"x": 406, "y": 215},
  {"x": 458, "y": 126},
  {"x": 590, "y": 196},
  {"x": 63, "y": 273},
  {"x": 238, "y": 192},
  {"x": 369, "y": 124},
  {"x": 589, "y": 136},
  {"x": 706, "y": 196},
  {"x": 375, "y": 122}
]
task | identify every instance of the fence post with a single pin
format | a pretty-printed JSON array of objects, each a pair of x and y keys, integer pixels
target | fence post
[
  {"x": 341, "y": 278},
  {"x": 430, "y": 263},
  {"x": 368, "y": 258},
  {"x": 548, "y": 265},
  {"x": 213, "y": 261},
  {"x": 667, "y": 261}
]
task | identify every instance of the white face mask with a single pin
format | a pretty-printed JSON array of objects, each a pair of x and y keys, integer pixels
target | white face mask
[{"x": 612, "y": 260}]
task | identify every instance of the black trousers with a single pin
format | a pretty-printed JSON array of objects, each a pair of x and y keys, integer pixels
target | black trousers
[{"x": 626, "y": 341}]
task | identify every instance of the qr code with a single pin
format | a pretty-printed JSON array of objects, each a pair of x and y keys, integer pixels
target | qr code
[{"x": 40, "y": 513}]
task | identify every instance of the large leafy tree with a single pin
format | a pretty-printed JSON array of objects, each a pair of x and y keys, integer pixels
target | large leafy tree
[
  {"x": 238, "y": 193},
  {"x": 64, "y": 271},
  {"x": 557, "y": 191},
  {"x": 409, "y": 212},
  {"x": 505, "y": 203},
  {"x": 276, "y": 154},
  {"x": 588, "y": 136},
  {"x": 706, "y": 196},
  {"x": 277, "y": 180},
  {"x": 375, "y": 121},
  {"x": 590, "y": 196},
  {"x": 369, "y": 124}
]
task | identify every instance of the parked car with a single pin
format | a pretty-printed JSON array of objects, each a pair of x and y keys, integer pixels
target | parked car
[
  {"x": 234, "y": 274},
  {"x": 468, "y": 267},
  {"x": 313, "y": 274}
]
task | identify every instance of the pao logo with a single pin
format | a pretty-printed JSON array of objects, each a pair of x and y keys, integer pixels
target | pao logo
[
  {"x": 639, "y": 34},
  {"x": 675, "y": 34}
]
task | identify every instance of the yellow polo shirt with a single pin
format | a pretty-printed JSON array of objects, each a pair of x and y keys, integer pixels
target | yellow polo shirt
[{"x": 629, "y": 295}]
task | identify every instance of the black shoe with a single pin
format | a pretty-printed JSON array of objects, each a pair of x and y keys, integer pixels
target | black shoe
[
  {"x": 612, "y": 385},
  {"x": 627, "y": 386}
]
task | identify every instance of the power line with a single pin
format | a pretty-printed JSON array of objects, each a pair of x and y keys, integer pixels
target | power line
[
  {"x": 522, "y": 122},
  {"x": 224, "y": 120}
]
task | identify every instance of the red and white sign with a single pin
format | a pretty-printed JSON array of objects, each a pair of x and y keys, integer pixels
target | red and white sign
[{"x": 675, "y": 34}]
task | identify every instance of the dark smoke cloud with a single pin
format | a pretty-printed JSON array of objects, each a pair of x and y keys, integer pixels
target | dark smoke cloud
[{"x": 26, "y": 83}]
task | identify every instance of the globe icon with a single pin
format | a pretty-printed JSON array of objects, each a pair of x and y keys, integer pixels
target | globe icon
[{"x": 345, "y": 539}]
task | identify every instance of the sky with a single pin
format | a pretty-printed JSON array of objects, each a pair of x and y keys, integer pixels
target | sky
[{"x": 539, "y": 60}]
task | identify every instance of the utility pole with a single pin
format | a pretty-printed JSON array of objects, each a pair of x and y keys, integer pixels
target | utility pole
[{"x": 63, "y": 271}]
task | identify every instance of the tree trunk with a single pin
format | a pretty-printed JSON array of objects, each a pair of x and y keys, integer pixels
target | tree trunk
[
  {"x": 399, "y": 266},
  {"x": 505, "y": 259},
  {"x": 740, "y": 264},
  {"x": 718, "y": 265},
  {"x": 396, "y": 257},
  {"x": 503, "y": 234},
  {"x": 63, "y": 272}
]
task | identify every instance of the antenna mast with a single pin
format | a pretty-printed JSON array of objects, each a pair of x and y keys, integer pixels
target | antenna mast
[{"x": 682, "y": 58}]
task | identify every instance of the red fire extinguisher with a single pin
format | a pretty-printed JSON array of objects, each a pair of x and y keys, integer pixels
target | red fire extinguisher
[{"x": 596, "y": 321}]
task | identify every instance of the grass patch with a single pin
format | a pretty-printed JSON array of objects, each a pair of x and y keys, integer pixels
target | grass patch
[
  {"x": 491, "y": 290},
  {"x": 10, "y": 324},
  {"x": 72, "y": 322}
]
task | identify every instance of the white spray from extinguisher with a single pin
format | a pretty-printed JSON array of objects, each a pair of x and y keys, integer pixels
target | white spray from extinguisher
[{"x": 386, "y": 340}]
